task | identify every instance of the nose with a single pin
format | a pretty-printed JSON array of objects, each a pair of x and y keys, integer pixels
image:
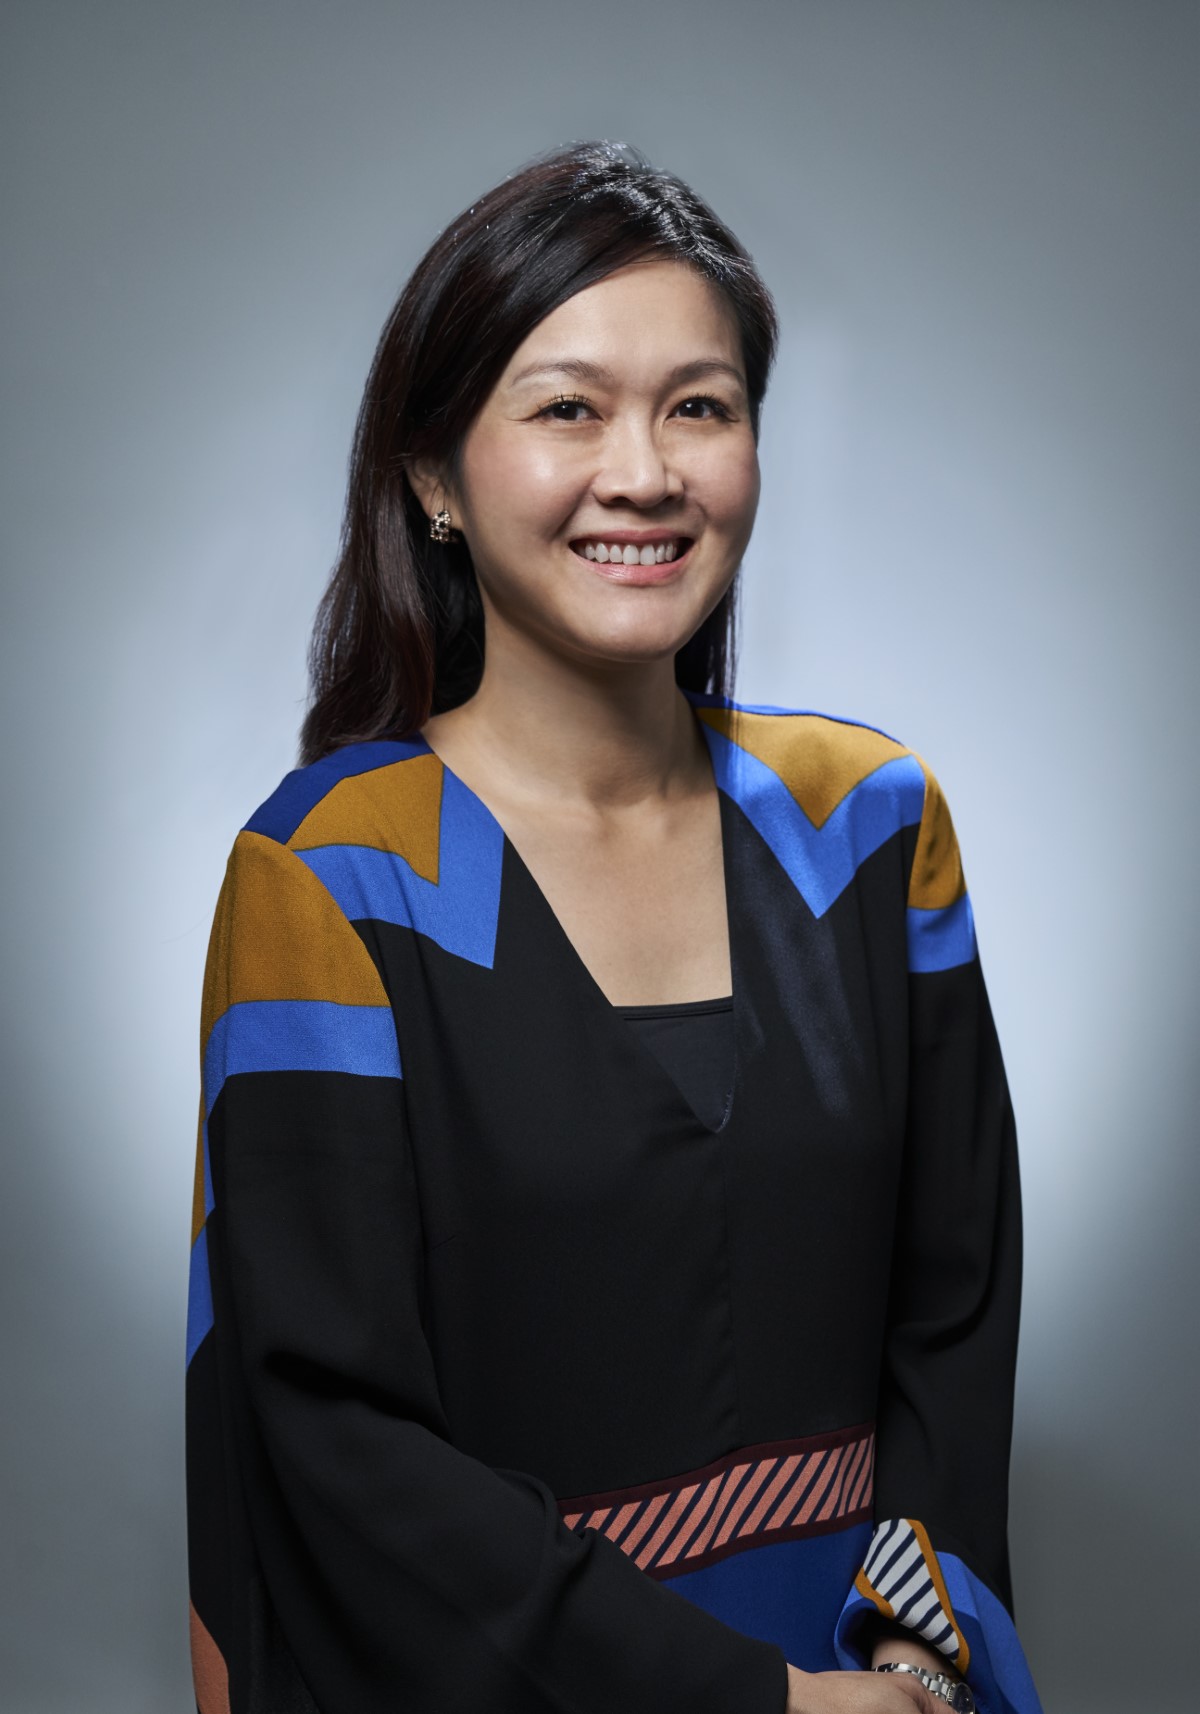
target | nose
[{"x": 635, "y": 468}]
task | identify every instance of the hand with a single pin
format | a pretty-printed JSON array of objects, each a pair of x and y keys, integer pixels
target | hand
[{"x": 857, "y": 1693}]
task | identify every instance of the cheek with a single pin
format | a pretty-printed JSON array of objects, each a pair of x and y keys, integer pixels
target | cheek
[
  {"x": 731, "y": 485},
  {"x": 527, "y": 486}
]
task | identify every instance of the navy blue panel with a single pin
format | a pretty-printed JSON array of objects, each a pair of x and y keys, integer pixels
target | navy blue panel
[
  {"x": 790, "y": 1593},
  {"x": 299, "y": 792}
]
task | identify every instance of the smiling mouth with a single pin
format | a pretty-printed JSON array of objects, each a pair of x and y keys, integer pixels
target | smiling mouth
[{"x": 631, "y": 553}]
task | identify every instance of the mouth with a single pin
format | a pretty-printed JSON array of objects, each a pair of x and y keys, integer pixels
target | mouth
[{"x": 622, "y": 549}]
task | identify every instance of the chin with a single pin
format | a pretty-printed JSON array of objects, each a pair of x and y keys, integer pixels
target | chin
[
  {"x": 642, "y": 637},
  {"x": 634, "y": 649}
]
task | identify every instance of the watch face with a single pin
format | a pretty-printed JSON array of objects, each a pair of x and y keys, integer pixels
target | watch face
[{"x": 960, "y": 1699}]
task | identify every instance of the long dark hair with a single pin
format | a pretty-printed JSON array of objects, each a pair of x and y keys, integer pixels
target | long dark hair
[{"x": 399, "y": 632}]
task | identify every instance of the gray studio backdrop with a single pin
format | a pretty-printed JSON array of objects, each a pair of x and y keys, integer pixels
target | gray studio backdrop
[{"x": 978, "y": 531}]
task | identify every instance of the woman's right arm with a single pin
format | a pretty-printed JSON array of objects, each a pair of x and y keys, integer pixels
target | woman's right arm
[{"x": 339, "y": 1540}]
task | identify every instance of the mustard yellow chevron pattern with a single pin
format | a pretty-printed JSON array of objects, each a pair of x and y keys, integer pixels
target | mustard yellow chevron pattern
[
  {"x": 937, "y": 874},
  {"x": 395, "y": 808},
  {"x": 820, "y": 761}
]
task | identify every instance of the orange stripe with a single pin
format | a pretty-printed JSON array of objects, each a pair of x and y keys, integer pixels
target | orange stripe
[
  {"x": 685, "y": 1535},
  {"x": 810, "y": 1505},
  {"x": 279, "y": 935},
  {"x": 803, "y": 1475},
  {"x": 728, "y": 1483},
  {"x": 863, "y": 1486},
  {"x": 725, "y": 1507},
  {"x": 835, "y": 1492},
  {"x": 768, "y": 1499},
  {"x": 622, "y": 1518},
  {"x": 647, "y": 1518},
  {"x": 749, "y": 1489},
  {"x": 865, "y": 1587},
  {"x": 667, "y": 1525},
  {"x": 852, "y": 1472},
  {"x": 963, "y": 1658}
]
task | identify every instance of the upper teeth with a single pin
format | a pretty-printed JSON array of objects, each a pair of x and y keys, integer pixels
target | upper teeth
[{"x": 617, "y": 555}]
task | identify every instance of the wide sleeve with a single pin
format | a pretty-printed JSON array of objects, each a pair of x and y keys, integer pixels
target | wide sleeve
[
  {"x": 345, "y": 1556},
  {"x": 938, "y": 1559}
]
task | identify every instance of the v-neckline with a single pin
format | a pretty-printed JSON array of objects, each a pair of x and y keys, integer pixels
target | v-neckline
[{"x": 600, "y": 999}]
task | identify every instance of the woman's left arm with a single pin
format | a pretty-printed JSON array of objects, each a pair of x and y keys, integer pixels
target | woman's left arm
[{"x": 937, "y": 1567}]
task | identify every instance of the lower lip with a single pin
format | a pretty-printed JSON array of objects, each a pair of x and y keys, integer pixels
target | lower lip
[{"x": 640, "y": 574}]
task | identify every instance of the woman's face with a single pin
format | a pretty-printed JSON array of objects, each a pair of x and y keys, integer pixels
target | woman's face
[{"x": 607, "y": 488}]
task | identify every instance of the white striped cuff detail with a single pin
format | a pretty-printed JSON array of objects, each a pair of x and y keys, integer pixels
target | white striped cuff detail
[{"x": 901, "y": 1575}]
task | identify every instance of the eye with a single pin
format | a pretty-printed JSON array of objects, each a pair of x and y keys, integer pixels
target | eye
[
  {"x": 566, "y": 408},
  {"x": 702, "y": 407}
]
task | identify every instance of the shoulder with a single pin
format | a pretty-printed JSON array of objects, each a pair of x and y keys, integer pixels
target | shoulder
[
  {"x": 390, "y": 836},
  {"x": 304, "y": 848},
  {"x": 383, "y": 795},
  {"x": 823, "y": 760},
  {"x": 856, "y": 787},
  {"x": 282, "y": 933}
]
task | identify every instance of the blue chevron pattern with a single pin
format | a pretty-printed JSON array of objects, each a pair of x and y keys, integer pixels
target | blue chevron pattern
[
  {"x": 820, "y": 861},
  {"x": 299, "y": 1035},
  {"x": 941, "y": 939},
  {"x": 459, "y": 911}
]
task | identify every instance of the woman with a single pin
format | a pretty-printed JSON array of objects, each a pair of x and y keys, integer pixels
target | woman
[{"x": 606, "y": 1264}]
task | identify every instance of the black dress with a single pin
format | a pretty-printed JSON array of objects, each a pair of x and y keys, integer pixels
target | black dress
[{"x": 525, "y": 1372}]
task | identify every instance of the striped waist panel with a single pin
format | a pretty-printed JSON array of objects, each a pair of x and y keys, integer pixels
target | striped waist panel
[{"x": 777, "y": 1491}]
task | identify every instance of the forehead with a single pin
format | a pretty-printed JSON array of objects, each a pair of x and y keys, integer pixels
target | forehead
[{"x": 647, "y": 316}]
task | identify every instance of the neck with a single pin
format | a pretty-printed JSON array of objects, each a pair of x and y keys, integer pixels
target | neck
[{"x": 544, "y": 729}]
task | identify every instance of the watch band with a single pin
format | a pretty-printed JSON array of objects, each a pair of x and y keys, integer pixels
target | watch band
[{"x": 951, "y": 1691}]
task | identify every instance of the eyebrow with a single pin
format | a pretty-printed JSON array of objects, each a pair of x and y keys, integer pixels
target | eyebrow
[{"x": 700, "y": 369}]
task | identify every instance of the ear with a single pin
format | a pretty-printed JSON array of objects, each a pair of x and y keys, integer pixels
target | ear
[{"x": 428, "y": 483}]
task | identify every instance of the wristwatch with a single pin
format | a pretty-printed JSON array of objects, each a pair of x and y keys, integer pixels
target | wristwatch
[{"x": 952, "y": 1691}]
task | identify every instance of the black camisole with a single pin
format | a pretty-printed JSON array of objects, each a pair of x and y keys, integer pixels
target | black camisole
[{"x": 693, "y": 1042}]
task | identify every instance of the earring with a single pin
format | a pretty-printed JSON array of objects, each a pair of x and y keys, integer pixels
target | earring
[{"x": 439, "y": 526}]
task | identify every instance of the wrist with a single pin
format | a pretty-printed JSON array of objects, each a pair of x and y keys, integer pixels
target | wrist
[
  {"x": 798, "y": 1700},
  {"x": 941, "y": 1686},
  {"x": 889, "y": 1641}
]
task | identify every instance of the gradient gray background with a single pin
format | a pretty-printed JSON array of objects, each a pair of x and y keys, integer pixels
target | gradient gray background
[{"x": 978, "y": 531}]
